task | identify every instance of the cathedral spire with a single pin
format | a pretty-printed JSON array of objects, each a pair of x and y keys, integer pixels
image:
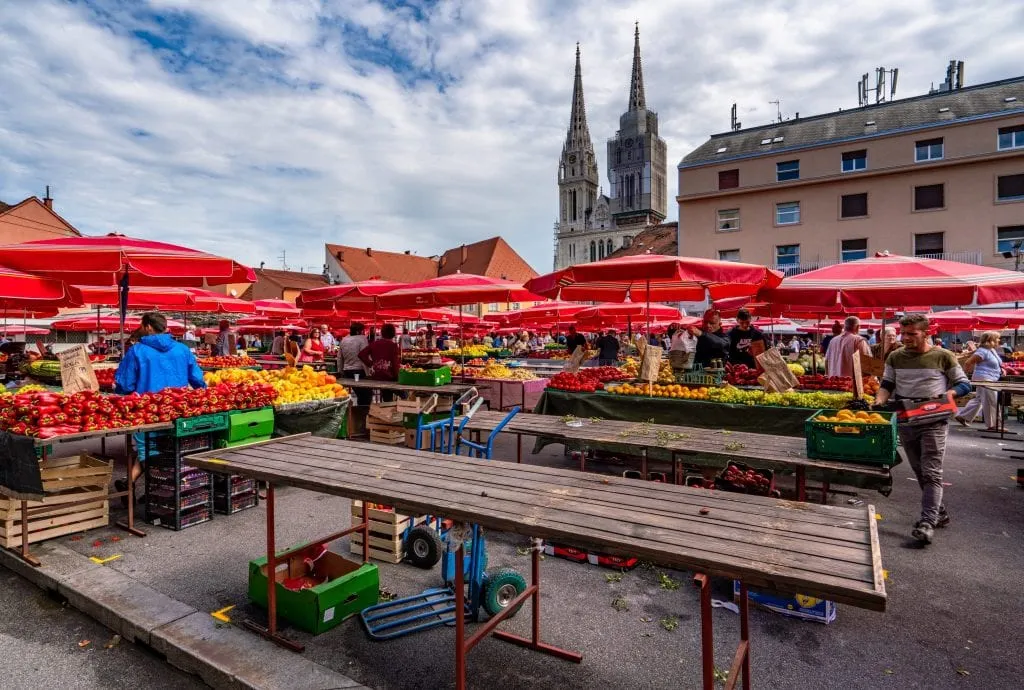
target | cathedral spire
[
  {"x": 637, "y": 100},
  {"x": 578, "y": 136}
]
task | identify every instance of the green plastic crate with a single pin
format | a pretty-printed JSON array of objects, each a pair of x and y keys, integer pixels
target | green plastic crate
[
  {"x": 190, "y": 426},
  {"x": 430, "y": 377},
  {"x": 245, "y": 425},
  {"x": 224, "y": 443},
  {"x": 351, "y": 588},
  {"x": 868, "y": 444},
  {"x": 410, "y": 419}
]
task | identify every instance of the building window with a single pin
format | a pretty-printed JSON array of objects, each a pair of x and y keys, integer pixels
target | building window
[
  {"x": 1011, "y": 137},
  {"x": 1009, "y": 238},
  {"x": 928, "y": 150},
  {"x": 600, "y": 249},
  {"x": 855, "y": 160},
  {"x": 787, "y": 213},
  {"x": 854, "y": 205},
  {"x": 928, "y": 244},
  {"x": 787, "y": 170},
  {"x": 929, "y": 196},
  {"x": 593, "y": 251},
  {"x": 627, "y": 240},
  {"x": 516, "y": 306},
  {"x": 851, "y": 250},
  {"x": 728, "y": 179},
  {"x": 1010, "y": 188},
  {"x": 787, "y": 255},
  {"x": 728, "y": 254},
  {"x": 728, "y": 219},
  {"x": 493, "y": 306},
  {"x": 608, "y": 247}
]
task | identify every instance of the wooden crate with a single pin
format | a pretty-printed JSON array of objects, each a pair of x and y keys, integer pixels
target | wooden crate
[
  {"x": 389, "y": 434},
  {"x": 65, "y": 481},
  {"x": 386, "y": 530},
  {"x": 386, "y": 413}
]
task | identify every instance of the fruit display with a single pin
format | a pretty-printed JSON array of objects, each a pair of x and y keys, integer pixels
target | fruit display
[
  {"x": 797, "y": 369},
  {"x": 742, "y": 375},
  {"x": 736, "y": 396},
  {"x": 812, "y": 364},
  {"x": 105, "y": 377},
  {"x": 586, "y": 380},
  {"x": 501, "y": 352},
  {"x": 467, "y": 351},
  {"x": 665, "y": 373},
  {"x": 851, "y": 417},
  {"x": 290, "y": 384},
  {"x": 31, "y": 388},
  {"x": 500, "y": 371},
  {"x": 742, "y": 478},
  {"x": 226, "y": 361},
  {"x": 43, "y": 369},
  {"x": 45, "y": 415},
  {"x": 631, "y": 367}
]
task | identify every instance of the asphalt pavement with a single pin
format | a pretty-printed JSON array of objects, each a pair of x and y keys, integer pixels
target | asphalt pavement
[{"x": 952, "y": 620}]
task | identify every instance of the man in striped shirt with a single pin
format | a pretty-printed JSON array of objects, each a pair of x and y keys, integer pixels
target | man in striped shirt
[{"x": 921, "y": 371}]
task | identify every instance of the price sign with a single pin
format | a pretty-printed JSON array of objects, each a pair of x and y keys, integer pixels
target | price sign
[{"x": 76, "y": 373}]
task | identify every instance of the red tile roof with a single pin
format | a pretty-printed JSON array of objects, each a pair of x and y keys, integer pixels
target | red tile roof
[
  {"x": 492, "y": 257},
  {"x": 659, "y": 239},
  {"x": 294, "y": 280}
]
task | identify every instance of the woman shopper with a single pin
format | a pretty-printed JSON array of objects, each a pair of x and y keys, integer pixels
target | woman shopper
[
  {"x": 313, "y": 348},
  {"x": 382, "y": 359},
  {"x": 988, "y": 367}
]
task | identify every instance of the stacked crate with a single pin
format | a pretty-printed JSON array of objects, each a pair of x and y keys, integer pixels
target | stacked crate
[
  {"x": 385, "y": 424},
  {"x": 232, "y": 492},
  {"x": 75, "y": 499},
  {"x": 387, "y": 532},
  {"x": 179, "y": 495}
]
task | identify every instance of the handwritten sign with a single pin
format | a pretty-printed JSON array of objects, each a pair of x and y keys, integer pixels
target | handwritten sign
[
  {"x": 777, "y": 377},
  {"x": 76, "y": 373},
  {"x": 572, "y": 365},
  {"x": 650, "y": 365},
  {"x": 858, "y": 376}
]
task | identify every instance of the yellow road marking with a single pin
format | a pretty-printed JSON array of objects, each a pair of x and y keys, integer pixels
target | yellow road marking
[
  {"x": 101, "y": 561},
  {"x": 221, "y": 614}
]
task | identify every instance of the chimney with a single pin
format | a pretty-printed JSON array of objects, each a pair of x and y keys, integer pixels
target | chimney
[
  {"x": 442, "y": 261},
  {"x": 47, "y": 201},
  {"x": 408, "y": 252},
  {"x": 262, "y": 264},
  {"x": 340, "y": 256},
  {"x": 369, "y": 251},
  {"x": 465, "y": 254}
]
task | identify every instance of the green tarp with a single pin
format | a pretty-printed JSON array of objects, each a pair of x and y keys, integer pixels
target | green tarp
[{"x": 781, "y": 421}]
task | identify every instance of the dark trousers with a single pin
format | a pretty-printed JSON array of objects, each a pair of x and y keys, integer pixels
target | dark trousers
[{"x": 363, "y": 395}]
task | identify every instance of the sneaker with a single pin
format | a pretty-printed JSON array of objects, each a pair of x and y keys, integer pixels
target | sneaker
[
  {"x": 943, "y": 519},
  {"x": 923, "y": 532},
  {"x": 961, "y": 420}
]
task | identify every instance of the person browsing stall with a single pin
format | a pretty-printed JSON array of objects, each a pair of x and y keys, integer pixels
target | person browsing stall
[
  {"x": 712, "y": 343},
  {"x": 839, "y": 356},
  {"x": 988, "y": 367},
  {"x": 920, "y": 371},
  {"x": 607, "y": 349},
  {"x": 313, "y": 348},
  {"x": 575, "y": 340},
  {"x": 156, "y": 362},
  {"x": 381, "y": 358}
]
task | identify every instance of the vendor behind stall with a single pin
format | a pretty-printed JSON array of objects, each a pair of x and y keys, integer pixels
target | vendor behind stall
[
  {"x": 155, "y": 363},
  {"x": 712, "y": 343},
  {"x": 745, "y": 341}
]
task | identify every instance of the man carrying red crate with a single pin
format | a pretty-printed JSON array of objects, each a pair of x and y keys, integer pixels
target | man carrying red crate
[{"x": 920, "y": 371}]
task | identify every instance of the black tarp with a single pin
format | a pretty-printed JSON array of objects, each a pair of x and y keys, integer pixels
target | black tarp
[{"x": 19, "y": 468}]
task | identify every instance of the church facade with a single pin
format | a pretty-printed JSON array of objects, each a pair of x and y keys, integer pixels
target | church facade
[{"x": 591, "y": 225}]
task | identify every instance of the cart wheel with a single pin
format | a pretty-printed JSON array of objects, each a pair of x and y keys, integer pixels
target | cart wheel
[
  {"x": 501, "y": 587},
  {"x": 423, "y": 547}
]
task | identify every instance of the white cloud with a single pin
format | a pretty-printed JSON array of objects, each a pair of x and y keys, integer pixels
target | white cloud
[{"x": 278, "y": 125}]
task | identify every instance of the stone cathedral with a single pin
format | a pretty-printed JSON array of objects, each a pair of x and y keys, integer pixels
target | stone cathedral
[{"x": 591, "y": 225}]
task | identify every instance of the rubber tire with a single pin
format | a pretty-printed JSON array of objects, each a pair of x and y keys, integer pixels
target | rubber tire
[
  {"x": 497, "y": 580},
  {"x": 423, "y": 547}
]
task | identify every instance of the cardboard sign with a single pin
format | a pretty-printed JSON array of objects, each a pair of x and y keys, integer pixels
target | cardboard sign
[
  {"x": 76, "y": 372},
  {"x": 858, "y": 376},
  {"x": 757, "y": 348},
  {"x": 777, "y": 377},
  {"x": 872, "y": 366},
  {"x": 572, "y": 365},
  {"x": 650, "y": 365}
]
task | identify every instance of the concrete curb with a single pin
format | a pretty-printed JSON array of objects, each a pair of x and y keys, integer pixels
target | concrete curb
[{"x": 222, "y": 655}]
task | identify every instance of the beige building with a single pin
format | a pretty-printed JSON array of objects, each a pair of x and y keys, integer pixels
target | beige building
[{"x": 939, "y": 175}]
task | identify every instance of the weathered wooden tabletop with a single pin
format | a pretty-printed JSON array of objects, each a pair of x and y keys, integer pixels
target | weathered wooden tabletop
[
  {"x": 822, "y": 551},
  {"x": 447, "y": 389}
]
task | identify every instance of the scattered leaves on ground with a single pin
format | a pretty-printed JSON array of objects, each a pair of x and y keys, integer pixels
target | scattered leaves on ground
[
  {"x": 646, "y": 619},
  {"x": 113, "y": 642},
  {"x": 962, "y": 671},
  {"x": 385, "y": 595},
  {"x": 888, "y": 671},
  {"x": 721, "y": 675},
  {"x": 522, "y": 550},
  {"x": 84, "y": 643},
  {"x": 670, "y": 623},
  {"x": 613, "y": 577},
  {"x": 619, "y": 604},
  {"x": 666, "y": 582},
  {"x": 735, "y": 445}
]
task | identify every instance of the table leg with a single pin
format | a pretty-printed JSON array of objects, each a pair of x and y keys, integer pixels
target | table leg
[
  {"x": 519, "y": 448},
  {"x": 707, "y": 640},
  {"x": 24, "y": 553},
  {"x": 675, "y": 468},
  {"x": 825, "y": 486},
  {"x": 460, "y": 620},
  {"x": 801, "y": 484},
  {"x": 130, "y": 460},
  {"x": 643, "y": 464},
  {"x": 270, "y": 631},
  {"x": 741, "y": 662},
  {"x": 366, "y": 533}
]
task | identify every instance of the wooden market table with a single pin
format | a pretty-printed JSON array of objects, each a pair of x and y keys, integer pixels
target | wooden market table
[
  {"x": 130, "y": 461},
  {"x": 519, "y": 390},
  {"x": 822, "y": 551},
  {"x": 1005, "y": 390},
  {"x": 695, "y": 446},
  {"x": 453, "y": 389}
]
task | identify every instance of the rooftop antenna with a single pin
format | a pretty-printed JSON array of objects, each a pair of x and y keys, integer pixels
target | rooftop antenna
[
  {"x": 881, "y": 76},
  {"x": 284, "y": 260},
  {"x": 736, "y": 124},
  {"x": 778, "y": 109}
]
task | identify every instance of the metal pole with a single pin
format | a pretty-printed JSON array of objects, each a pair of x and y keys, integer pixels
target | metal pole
[{"x": 272, "y": 565}]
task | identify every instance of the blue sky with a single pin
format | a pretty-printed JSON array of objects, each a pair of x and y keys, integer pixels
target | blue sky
[{"x": 252, "y": 127}]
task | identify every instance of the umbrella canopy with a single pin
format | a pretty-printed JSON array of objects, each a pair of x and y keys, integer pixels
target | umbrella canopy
[
  {"x": 1013, "y": 318},
  {"x": 138, "y": 297},
  {"x": 621, "y": 311},
  {"x": 276, "y": 321},
  {"x": 363, "y": 293},
  {"x": 962, "y": 320},
  {"x": 24, "y": 292},
  {"x": 545, "y": 312},
  {"x": 105, "y": 260},
  {"x": 207, "y": 301},
  {"x": 19, "y": 329},
  {"x": 276, "y": 308},
  {"x": 655, "y": 278},
  {"x": 109, "y": 324},
  {"x": 454, "y": 290},
  {"x": 889, "y": 280}
]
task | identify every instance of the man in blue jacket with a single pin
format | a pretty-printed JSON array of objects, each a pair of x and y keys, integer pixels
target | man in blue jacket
[{"x": 156, "y": 362}]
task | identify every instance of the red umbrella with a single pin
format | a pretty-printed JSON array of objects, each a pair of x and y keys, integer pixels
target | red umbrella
[
  {"x": 276, "y": 308},
  {"x": 208, "y": 301},
  {"x": 279, "y": 322},
  {"x": 21, "y": 291},
  {"x": 961, "y": 320},
  {"x": 138, "y": 297},
  {"x": 889, "y": 280},
  {"x": 619, "y": 311},
  {"x": 455, "y": 290},
  {"x": 105, "y": 260},
  {"x": 654, "y": 278},
  {"x": 21, "y": 329},
  {"x": 1012, "y": 318},
  {"x": 109, "y": 324},
  {"x": 545, "y": 312},
  {"x": 363, "y": 293}
]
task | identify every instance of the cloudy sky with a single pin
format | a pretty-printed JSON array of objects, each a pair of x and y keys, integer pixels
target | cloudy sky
[{"x": 252, "y": 127}]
